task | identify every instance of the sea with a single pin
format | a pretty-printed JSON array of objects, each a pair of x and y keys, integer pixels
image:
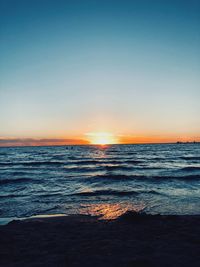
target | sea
[{"x": 100, "y": 180}]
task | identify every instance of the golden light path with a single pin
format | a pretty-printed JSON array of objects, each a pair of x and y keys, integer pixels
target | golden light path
[
  {"x": 109, "y": 211},
  {"x": 102, "y": 138}
]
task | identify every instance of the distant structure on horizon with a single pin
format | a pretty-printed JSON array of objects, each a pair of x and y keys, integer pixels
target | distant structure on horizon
[{"x": 187, "y": 142}]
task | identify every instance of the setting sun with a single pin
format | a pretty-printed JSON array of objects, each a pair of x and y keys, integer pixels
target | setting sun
[{"x": 102, "y": 138}]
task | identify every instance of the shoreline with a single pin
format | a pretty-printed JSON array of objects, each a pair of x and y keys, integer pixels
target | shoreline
[
  {"x": 133, "y": 239},
  {"x": 99, "y": 216},
  {"x": 7, "y": 220}
]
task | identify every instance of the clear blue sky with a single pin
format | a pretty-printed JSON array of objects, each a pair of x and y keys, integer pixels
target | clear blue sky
[{"x": 131, "y": 68}]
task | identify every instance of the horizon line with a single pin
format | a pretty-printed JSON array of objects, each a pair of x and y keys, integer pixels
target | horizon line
[{"x": 99, "y": 145}]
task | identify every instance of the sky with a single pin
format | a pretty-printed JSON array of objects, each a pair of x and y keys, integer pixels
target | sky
[{"x": 73, "y": 69}]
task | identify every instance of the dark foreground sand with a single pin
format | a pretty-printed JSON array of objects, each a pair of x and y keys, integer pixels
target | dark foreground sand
[{"x": 132, "y": 240}]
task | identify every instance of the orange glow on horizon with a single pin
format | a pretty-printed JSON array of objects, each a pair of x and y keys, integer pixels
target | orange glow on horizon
[
  {"x": 155, "y": 139},
  {"x": 96, "y": 138}
]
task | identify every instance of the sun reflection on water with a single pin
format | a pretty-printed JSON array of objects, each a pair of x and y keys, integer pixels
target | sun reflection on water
[{"x": 109, "y": 211}]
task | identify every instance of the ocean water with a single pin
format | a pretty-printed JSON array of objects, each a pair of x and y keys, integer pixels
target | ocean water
[{"x": 156, "y": 178}]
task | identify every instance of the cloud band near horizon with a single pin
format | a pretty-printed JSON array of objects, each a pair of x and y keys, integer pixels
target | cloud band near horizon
[{"x": 12, "y": 142}]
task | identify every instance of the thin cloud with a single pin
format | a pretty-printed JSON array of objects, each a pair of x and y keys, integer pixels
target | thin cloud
[{"x": 40, "y": 142}]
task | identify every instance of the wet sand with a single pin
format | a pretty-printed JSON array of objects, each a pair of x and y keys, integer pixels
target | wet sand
[{"x": 130, "y": 241}]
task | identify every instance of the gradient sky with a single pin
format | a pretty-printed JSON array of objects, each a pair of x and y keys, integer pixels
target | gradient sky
[{"x": 68, "y": 68}]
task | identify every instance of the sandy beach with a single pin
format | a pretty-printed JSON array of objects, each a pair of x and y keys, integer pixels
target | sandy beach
[{"x": 131, "y": 240}]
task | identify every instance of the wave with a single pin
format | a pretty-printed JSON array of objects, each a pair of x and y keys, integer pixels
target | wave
[
  {"x": 99, "y": 168},
  {"x": 106, "y": 192},
  {"x": 106, "y": 161},
  {"x": 3, "y": 153},
  {"x": 190, "y": 158},
  {"x": 58, "y": 157},
  {"x": 120, "y": 168},
  {"x": 121, "y": 177},
  {"x": 85, "y": 162},
  {"x": 131, "y": 168},
  {"x": 151, "y": 192},
  {"x": 129, "y": 153},
  {"x": 12, "y": 196},
  {"x": 49, "y": 195},
  {"x": 108, "y": 168},
  {"x": 111, "y": 177},
  {"x": 190, "y": 168},
  {"x": 19, "y": 180},
  {"x": 6, "y": 163},
  {"x": 133, "y": 161},
  {"x": 38, "y": 163},
  {"x": 115, "y": 192},
  {"x": 157, "y": 159},
  {"x": 32, "y": 163},
  {"x": 83, "y": 169}
]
